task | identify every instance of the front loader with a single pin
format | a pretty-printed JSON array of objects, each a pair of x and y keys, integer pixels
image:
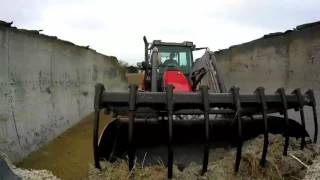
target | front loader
[{"x": 182, "y": 110}]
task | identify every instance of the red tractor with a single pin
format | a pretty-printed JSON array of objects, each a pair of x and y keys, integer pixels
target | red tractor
[{"x": 184, "y": 110}]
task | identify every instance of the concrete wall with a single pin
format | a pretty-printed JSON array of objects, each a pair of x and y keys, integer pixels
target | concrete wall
[
  {"x": 46, "y": 86},
  {"x": 290, "y": 60}
]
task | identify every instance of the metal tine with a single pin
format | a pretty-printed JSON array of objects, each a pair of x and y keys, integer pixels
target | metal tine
[
  {"x": 205, "y": 102},
  {"x": 169, "y": 93},
  {"x": 132, "y": 107},
  {"x": 298, "y": 93},
  {"x": 260, "y": 92},
  {"x": 283, "y": 97},
  {"x": 99, "y": 89},
  {"x": 310, "y": 93},
  {"x": 236, "y": 98}
]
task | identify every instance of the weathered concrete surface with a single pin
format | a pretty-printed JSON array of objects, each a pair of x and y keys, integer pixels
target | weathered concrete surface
[
  {"x": 290, "y": 60},
  {"x": 46, "y": 86}
]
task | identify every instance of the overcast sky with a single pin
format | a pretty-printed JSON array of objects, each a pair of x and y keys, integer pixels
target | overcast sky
[{"x": 116, "y": 27}]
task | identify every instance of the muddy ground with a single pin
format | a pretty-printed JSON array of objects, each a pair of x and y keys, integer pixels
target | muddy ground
[{"x": 69, "y": 155}]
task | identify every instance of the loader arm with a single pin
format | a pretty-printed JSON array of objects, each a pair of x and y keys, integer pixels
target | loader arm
[{"x": 207, "y": 65}]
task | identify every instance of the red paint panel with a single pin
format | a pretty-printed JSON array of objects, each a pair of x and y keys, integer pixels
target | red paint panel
[{"x": 177, "y": 79}]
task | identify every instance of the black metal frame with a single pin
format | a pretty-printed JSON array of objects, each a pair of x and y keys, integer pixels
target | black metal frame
[
  {"x": 206, "y": 107},
  {"x": 283, "y": 98},
  {"x": 168, "y": 103},
  {"x": 237, "y": 105},
  {"x": 132, "y": 108}
]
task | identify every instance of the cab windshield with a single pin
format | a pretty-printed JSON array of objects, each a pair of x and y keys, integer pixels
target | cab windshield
[{"x": 178, "y": 57}]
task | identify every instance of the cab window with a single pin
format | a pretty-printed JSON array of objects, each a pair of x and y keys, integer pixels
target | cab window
[{"x": 179, "y": 55}]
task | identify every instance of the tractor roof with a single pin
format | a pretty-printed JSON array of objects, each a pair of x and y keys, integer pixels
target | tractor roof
[{"x": 182, "y": 44}]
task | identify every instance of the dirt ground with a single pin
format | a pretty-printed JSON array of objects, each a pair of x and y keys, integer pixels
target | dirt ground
[{"x": 69, "y": 155}]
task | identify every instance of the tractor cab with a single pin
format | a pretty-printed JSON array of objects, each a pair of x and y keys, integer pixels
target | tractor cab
[
  {"x": 177, "y": 56},
  {"x": 168, "y": 63}
]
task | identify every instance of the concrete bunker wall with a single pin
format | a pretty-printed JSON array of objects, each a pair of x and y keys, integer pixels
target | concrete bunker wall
[
  {"x": 46, "y": 86},
  {"x": 290, "y": 60}
]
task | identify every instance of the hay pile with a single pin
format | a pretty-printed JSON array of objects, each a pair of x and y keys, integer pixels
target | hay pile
[
  {"x": 297, "y": 165},
  {"x": 28, "y": 174},
  {"x": 313, "y": 171}
]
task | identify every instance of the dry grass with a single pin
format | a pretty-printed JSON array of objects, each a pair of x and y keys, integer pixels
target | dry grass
[
  {"x": 313, "y": 172},
  {"x": 221, "y": 165}
]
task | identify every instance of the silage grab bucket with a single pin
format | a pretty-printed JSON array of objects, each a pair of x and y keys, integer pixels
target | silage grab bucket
[{"x": 176, "y": 126}]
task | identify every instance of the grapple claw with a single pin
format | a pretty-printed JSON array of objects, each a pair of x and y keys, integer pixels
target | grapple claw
[
  {"x": 170, "y": 106},
  {"x": 131, "y": 115},
  {"x": 151, "y": 116},
  {"x": 260, "y": 93},
  {"x": 99, "y": 89},
  {"x": 299, "y": 96},
  {"x": 312, "y": 103},
  {"x": 206, "y": 106},
  {"x": 237, "y": 106},
  {"x": 283, "y": 98}
]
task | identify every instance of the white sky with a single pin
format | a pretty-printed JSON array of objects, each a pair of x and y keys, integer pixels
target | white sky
[{"x": 116, "y": 27}]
